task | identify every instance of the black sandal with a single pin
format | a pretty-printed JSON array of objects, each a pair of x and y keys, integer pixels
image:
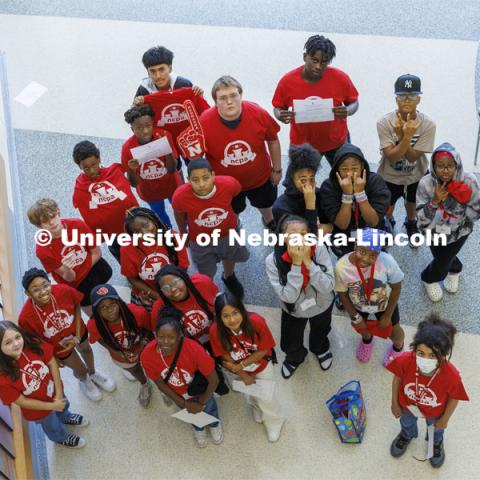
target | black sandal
[
  {"x": 324, "y": 358},
  {"x": 289, "y": 368}
]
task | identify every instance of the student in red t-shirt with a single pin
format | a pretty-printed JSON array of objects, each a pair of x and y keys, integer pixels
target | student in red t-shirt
[
  {"x": 101, "y": 194},
  {"x": 155, "y": 178},
  {"x": 139, "y": 263},
  {"x": 312, "y": 81},
  {"x": 52, "y": 313},
  {"x": 123, "y": 331},
  {"x": 79, "y": 266},
  {"x": 205, "y": 202},
  {"x": 426, "y": 385},
  {"x": 30, "y": 378},
  {"x": 237, "y": 135},
  {"x": 176, "y": 378},
  {"x": 245, "y": 344}
]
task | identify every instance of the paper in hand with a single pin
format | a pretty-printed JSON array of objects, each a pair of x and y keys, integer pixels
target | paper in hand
[
  {"x": 156, "y": 149},
  {"x": 313, "y": 110},
  {"x": 200, "y": 420}
]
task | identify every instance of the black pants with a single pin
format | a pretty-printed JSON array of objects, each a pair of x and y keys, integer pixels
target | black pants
[
  {"x": 291, "y": 338},
  {"x": 444, "y": 261},
  {"x": 330, "y": 154}
]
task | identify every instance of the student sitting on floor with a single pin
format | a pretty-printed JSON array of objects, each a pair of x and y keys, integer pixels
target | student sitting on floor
[
  {"x": 302, "y": 277},
  {"x": 30, "y": 378},
  {"x": 245, "y": 344},
  {"x": 369, "y": 282},
  {"x": 52, "y": 313},
  {"x": 184, "y": 372},
  {"x": 426, "y": 385}
]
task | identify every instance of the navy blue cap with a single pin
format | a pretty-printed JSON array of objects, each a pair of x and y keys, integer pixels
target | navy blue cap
[
  {"x": 101, "y": 292},
  {"x": 408, "y": 84}
]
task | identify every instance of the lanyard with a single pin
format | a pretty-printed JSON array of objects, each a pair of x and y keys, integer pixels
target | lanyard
[
  {"x": 357, "y": 214},
  {"x": 41, "y": 313},
  {"x": 179, "y": 370},
  {"x": 419, "y": 395},
  {"x": 367, "y": 290}
]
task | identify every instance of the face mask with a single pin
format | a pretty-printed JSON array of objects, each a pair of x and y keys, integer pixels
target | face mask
[{"x": 426, "y": 365}]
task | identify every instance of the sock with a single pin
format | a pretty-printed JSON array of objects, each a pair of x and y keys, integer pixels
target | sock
[
  {"x": 397, "y": 349},
  {"x": 367, "y": 341}
]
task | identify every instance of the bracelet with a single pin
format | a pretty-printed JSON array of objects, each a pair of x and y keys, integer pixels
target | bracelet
[
  {"x": 361, "y": 197},
  {"x": 356, "y": 319},
  {"x": 347, "y": 198}
]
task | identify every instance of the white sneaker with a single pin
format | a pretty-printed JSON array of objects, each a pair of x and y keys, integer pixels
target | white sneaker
[
  {"x": 128, "y": 375},
  {"x": 90, "y": 390},
  {"x": 217, "y": 433},
  {"x": 257, "y": 414},
  {"x": 200, "y": 437},
  {"x": 145, "y": 394},
  {"x": 434, "y": 291},
  {"x": 274, "y": 435},
  {"x": 104, "y": 382},
  {"x": 451, "y": 282}
]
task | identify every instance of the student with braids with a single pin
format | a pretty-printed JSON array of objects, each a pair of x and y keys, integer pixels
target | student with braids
[
  {"x": 139, "y": 263},
  {"x": 302, "y": 277},
  {"x": 426, "y": 385},
  {"x": 318, "y": 80},
  {"x": 155, "y": 179},
  {"x": 122, "y": 330},
  {"x": 177, "y": 364}
]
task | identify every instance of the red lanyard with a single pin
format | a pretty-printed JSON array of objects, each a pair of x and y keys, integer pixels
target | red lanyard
[
  {"x": 367, "y": 290},
  {"x": 357, "y": 213},
  {"x": 40, "y": 312},
  {"x": 419, "y": 395}
]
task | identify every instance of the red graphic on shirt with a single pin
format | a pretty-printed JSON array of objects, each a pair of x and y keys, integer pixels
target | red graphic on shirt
[
  {"x": 76, "y": 253},
  {"x": 211, "y": 217},
  {"x": 196, "y": 321},
  {"x": 152, "y": 264},
  {"x": 427, "y": 397},
  {"x": 236, "y": 153},
  {"x": 103, "y": 193},
  {"x": 178, "y": 379},
  {"x": 56, "y": 322},
  {"x": 191, "y": 140},
  {"x": 122, "y": 338},
  {"x": 32, "y": 375},
  {"x": 153, "y": 169},
  {"x": 243, "y": 352},
  {"x": 173, "y": 113}
]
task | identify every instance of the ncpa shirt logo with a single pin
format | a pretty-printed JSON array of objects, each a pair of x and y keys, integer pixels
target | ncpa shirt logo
[
  {"x": 211, "y": 217},
  {"x": 173, "y": 113}
]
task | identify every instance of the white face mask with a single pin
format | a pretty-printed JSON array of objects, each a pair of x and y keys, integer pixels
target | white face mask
[{"x": 426, "y": 365}]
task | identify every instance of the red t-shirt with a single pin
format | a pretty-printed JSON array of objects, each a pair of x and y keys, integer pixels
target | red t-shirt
[
  {"x": 195, "y": 321},
  {"x": 241, "y": 152},
  {"x": 169, "y": 110},
  {"x": 52, "y": 255},
  {"x": 207, "y": 214},
  {"x": 192, "y": 358},
  {"x": 131, "y": 346},
  {"x": 243, "y": 347},
  {"x": 55, "y": 322},
  {"x": 431, "y": 401},
  {"x": 145, "y": 261},
  {"x": 103, "y": 200},
  {"x": 324, "y": 136},
  {"x": 35, "y": 382},
  {"x": 154, "y": 182}
]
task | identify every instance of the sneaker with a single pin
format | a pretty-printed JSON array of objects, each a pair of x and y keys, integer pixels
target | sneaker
[
  {"x": 76, "y": 420},
  {"x": 288, "y": 369},
  {"x": 217, "y": 433},
  {"x": 257, "y": 414},
  {"x": 90, "y": 390},
  {"x": 434, "y": 291},
  {"x": 390, "y": 354},
  {"x": 438, "y": 456},
  {"x": 325, "y": 360},
  {"x": 145, "y": 394},
  {"x": 390, "y": 225},
  {"x": 73, "y": 441},
  {"x": 234, "y": 285},
  {"x": 272, "y": 225},
  {"x": 451, "y": 282},
  {"x": 200, "y": 437},
  {"x": 364, "y": 350},
  {"x": 104, "y": 382},
  {"x": 274, "y": 435},
  {"x": 411, "y": 228},
  {"x": 128, "y": 375},
  {"x": 399, "y": 446}
]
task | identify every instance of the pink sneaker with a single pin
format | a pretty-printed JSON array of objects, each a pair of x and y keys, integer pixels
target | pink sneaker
[
  {"x": 364, "y": 350},
  {"x": 390, "y": 354}
]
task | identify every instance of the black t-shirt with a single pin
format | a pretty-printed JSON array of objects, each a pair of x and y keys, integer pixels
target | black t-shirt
[{"x": 180, "y": 82}]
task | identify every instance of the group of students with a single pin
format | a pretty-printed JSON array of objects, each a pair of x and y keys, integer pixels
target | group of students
[{"x": 179, "y": 331}]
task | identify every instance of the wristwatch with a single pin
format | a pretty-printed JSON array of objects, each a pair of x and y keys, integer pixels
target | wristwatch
[{"x": 356, "y": 319}]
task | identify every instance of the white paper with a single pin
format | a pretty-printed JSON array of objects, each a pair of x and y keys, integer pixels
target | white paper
[
  {"x": 200, "y": 420},
  {"x": 156, "y": 149},
  {"x": 30, "y": 94},
  {"x": 314, "y": 110},
  {"x": 431, "y": 431},
  {"x": 261, "y": 389}
]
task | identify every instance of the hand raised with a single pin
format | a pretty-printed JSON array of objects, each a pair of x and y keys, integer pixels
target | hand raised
[{"x": 345, "y": 183}]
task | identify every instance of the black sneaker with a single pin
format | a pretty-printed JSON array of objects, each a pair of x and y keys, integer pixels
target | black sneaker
[
  {"x": 411, "y": 228},
  {"x": 390, "y": 225},
  {"x": 272, "y": 225},
  {"x": 438, "y": 456},
  {"x": 233, "y": 284},
  {"x": 76, "y": 420},
  {"x": 399, "y": 446},
  {"x": 73, "y": 441}
]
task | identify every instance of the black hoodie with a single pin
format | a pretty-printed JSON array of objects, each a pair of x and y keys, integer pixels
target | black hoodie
[{"x": 331, "y": 193}]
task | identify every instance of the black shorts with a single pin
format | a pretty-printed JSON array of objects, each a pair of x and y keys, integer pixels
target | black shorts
[
  {"x": 101, "y": 272},
  {"x": 260, "y": 197},
  {"x": 378, "y": 315},
  {"x": 83, "y": 339},
  {"x": 409, "y": 192}
]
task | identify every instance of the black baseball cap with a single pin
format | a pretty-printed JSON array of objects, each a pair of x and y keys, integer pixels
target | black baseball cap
[
  {"x": 408, "y": 84},
  {"x": 101, "y": 292},
  {"x": 31, "y": 274}
]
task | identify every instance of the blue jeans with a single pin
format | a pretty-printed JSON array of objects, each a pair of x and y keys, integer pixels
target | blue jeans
[
  {"x": 212, "y": 409},
  {"x": 53, "y": 425},
  {"x": 410, "y": 429},
  {"x": 159, "y": 208}
]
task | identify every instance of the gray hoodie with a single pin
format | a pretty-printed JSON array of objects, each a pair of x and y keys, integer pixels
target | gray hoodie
[
  {"x": 320, "y": 287},
  {"x": 458, "y": 219}
]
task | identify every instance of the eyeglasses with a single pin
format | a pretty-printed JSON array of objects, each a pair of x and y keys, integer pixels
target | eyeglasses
[
  {"x": 42, "y": 288},
  {"x": 404, "y": 98},
  {"x": 173, "y": 284},
  {"x": 225, "y": 98},
  {"x": 450, "y": 166}
]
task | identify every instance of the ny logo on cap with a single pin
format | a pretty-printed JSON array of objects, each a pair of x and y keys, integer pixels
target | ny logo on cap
[
  {"x": 408, "y": 84},
  {"x": 102, "y": 291}
]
